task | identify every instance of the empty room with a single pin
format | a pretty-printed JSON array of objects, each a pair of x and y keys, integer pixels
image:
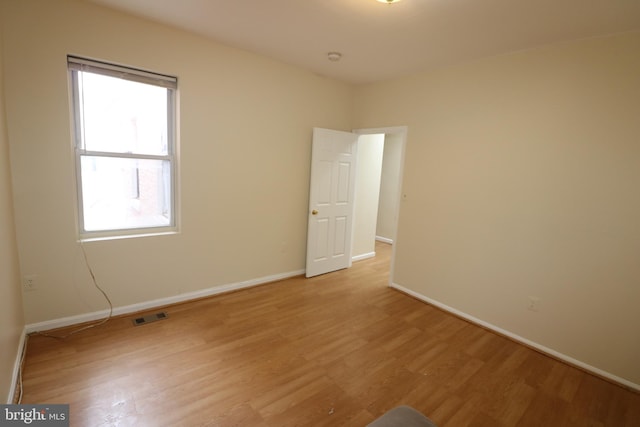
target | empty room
[{"x": 320, "y": 212}]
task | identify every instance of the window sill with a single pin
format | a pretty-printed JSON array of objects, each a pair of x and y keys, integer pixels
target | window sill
[{"x": 96, "y": 237}]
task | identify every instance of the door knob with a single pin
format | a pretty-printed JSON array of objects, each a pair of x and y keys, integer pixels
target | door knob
[{"x": 314, "y": 212}]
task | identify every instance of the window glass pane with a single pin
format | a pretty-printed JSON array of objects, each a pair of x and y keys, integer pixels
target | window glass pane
[
  {"x": 122, "y": 193},
  {"x": 122, "y": 116}
]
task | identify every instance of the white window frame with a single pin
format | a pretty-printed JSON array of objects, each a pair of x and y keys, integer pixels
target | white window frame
[{"x": 76, "y": 64}]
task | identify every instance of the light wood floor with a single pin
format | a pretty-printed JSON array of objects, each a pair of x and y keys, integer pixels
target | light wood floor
[{"x": 339, "y": 349}]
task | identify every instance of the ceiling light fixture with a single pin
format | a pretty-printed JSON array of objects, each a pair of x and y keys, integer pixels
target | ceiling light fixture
[
  {"x": 388, "y": 1},
  {"x": 334, "y": 56}
]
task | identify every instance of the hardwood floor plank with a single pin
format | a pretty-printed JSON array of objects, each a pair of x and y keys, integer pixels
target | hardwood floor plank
[
  {"x": 446, "y": 411},
  {"x": 336, "y": 350},
  {"x": 470, "y": 414},
  {"x": 548, "y": 410}
]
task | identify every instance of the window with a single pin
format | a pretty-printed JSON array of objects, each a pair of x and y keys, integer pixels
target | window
[{"x": 124, "y": 124}]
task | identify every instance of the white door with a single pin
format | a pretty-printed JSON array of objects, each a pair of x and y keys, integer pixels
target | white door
[{"x": 333, "y": 162}]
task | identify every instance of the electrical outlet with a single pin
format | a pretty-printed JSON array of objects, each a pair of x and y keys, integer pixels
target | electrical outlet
[
  {"x": 533, "y": 304},
  {"x": 30, "y": 282}
]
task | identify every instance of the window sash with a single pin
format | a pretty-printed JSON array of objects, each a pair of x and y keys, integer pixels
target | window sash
[
  {"x": 82, "y": 152},
  {"x": 163, "y": 208},
  {"x": 78, "y": 115}
]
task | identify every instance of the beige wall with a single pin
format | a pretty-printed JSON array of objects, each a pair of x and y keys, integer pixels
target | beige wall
[
  {"x": 370, "y": 150},
  {"x": 521, "y": 177},
  {"x": 11, "y": 316},
  {"x": 245, "y": 146},
  {"x": 389, "y": 186}
]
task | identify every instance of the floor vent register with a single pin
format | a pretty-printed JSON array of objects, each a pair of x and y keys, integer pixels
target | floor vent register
[{"x": 150, "y": 318}]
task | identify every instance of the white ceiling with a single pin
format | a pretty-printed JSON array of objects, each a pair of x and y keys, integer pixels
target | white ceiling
[{"x": 380, "y": 41}]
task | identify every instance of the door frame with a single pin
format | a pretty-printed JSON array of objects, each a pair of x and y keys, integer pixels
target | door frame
[{"x": 402, "y": 131}]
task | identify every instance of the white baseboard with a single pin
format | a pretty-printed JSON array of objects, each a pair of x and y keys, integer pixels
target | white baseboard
[
  {"x": 133, "y": 308},
  {"x": 384, "y": 240},
  {"x": 522, "y": 340},
  {"x": 363, "y": 256},
  {"x": 16, "y": 366}
]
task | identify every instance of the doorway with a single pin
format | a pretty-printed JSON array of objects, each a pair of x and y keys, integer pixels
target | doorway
[
  {"x": 335, "y": 237},
  {"x": 378, "y": 191}
]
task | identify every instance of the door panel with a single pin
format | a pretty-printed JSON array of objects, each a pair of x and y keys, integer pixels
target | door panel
[
  {"x": 324, "y": 183},
  {"x": 322, "y": 242},
  {"x": 331, "y": 201},
  {"x": 345, "y": 180},
  {"x": 339, "y": 243}
]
